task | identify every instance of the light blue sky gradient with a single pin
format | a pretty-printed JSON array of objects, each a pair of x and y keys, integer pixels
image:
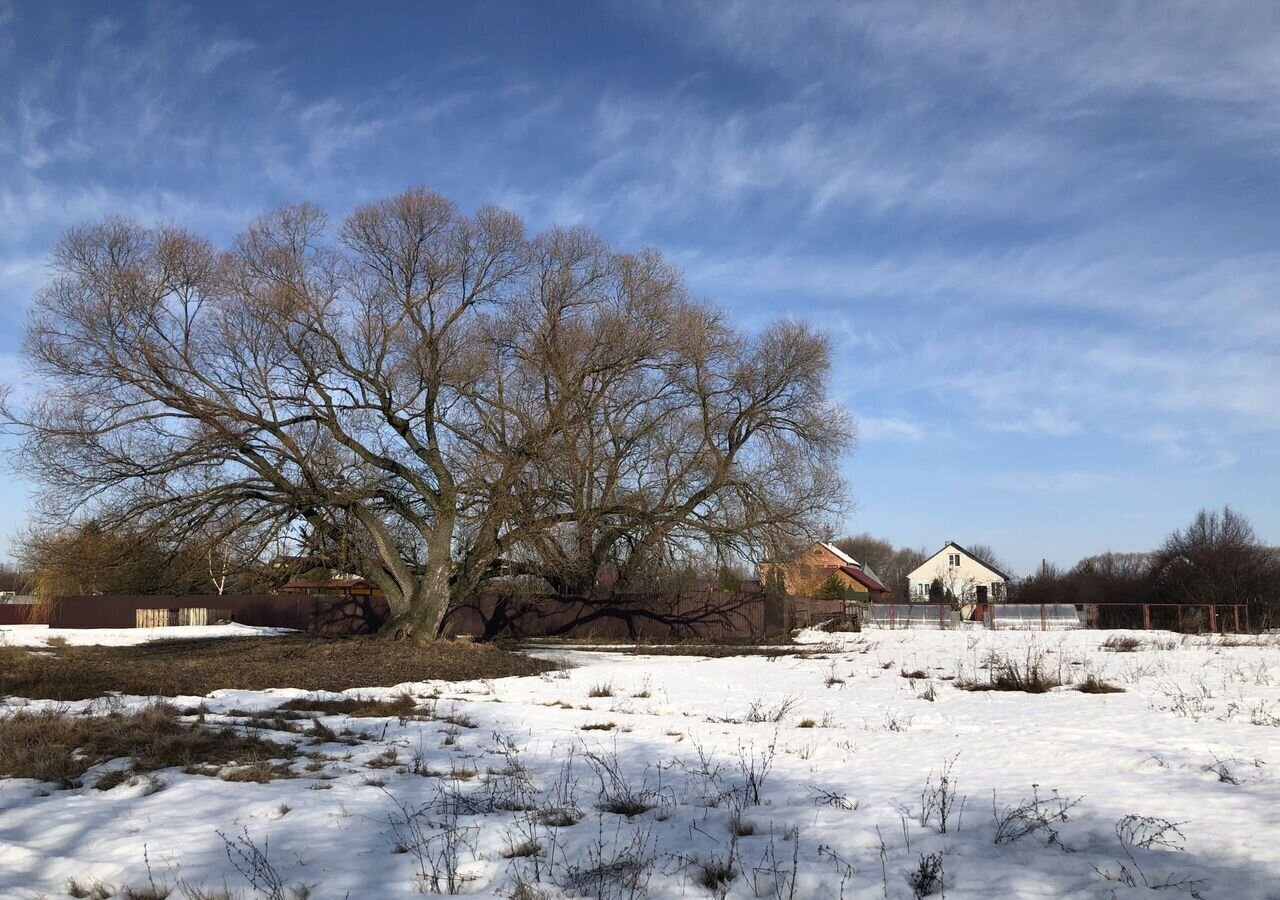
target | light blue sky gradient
[{"x": 1044, "y": 237}]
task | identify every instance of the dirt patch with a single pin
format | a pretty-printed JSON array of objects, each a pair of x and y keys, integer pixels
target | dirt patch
[{"x": 197, "y": 667}]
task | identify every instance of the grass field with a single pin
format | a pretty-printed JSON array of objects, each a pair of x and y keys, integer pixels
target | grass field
[{"x": 198, "y": 667}]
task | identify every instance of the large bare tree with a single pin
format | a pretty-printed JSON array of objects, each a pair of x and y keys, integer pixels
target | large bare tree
[{"x": 434, "y": 396}]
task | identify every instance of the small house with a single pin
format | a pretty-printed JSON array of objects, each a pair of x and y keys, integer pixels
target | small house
[
  {"x": 823, "y": 568},
  {"x": 954, "y": 575}
]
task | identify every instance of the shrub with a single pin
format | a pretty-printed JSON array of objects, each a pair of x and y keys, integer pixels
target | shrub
[{"x": 1121, "y": 643}]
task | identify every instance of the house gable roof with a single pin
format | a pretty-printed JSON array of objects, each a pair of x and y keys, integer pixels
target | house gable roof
[
  {"x": 952, "y": 545},
  {"x": 863, "y": 579},
  {"x": 839, "y": 554}
]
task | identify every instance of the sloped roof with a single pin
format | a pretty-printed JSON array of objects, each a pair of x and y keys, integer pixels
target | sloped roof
[
  {"x": 952, "y": 545},
  {"x": 863, "y": 579},
  {"x": 841, "y": 555}
]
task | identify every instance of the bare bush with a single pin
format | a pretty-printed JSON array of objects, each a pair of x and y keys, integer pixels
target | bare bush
[
  {"x": 1037, "y": 816},
  {"x": 755, "y": 768},
  {"x": 617, "y": 794},
  {"x": 774, "y": 876},
  {"x": 618, "y": 865},
  {"x": 433, "y": 836},
  {"x": 927, "y": 878},
  {"x": 254, "y": 864},
  {"x": 938, "y": 804},
  {"x": 1137, "y": 832}
]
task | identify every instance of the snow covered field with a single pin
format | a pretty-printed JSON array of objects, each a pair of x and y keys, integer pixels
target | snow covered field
[
  {"x": 825, "y": 776},
  {"x": 40, "y": 635}
]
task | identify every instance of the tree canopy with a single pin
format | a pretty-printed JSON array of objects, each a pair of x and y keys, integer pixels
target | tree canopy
[{"x": 433, "y": 397}]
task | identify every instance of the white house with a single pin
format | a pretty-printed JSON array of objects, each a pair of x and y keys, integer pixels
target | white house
[{"x": 959, "y": 575}]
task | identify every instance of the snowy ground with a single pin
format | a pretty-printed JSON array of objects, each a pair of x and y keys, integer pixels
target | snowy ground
[
  {"x": 40, "y": 635},
  {"x": 843, "y": 806}
]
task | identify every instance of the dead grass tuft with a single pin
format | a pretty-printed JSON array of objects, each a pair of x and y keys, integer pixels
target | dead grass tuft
[
  {"x": 52, "y": 746},
  {"x": 1029, "y": 675},
  {"x": 93, "y": 890},
  {"x": 1095, "y": 685},
  {"x": 401, "y": 706},
  {"x": 1121, "y": 643}
]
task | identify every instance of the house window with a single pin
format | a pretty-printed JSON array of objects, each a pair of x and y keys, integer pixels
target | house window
[{"x": 953, "y": 560}]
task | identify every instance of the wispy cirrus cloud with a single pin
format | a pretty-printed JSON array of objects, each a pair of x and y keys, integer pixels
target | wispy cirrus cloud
[{"x": 1043, "y": 244}]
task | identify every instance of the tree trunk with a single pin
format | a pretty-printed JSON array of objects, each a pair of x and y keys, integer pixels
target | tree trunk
[{"x": 419, "y": 613}]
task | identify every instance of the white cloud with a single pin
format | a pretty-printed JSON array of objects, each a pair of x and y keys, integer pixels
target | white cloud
[
  {"x": 889, "y": 429},
  {"x": 218, "y": 51}
]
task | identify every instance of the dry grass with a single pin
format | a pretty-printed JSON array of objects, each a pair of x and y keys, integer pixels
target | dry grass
[
  {"x": 197, "y": 667},
  {"x": 1029, "y": 675},
  {"x": 52, "y": 746},
  {"x": 401, "y": 705},
  {"x": 1095, "y": 685}
]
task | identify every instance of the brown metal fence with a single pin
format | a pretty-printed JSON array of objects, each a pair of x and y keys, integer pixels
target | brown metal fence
[
  {"x": 1182, "y": 617},
  {"x": 704, "y": 615},
  {"x": 329, "y": 615},
  {"x": 23, "y": 614}
]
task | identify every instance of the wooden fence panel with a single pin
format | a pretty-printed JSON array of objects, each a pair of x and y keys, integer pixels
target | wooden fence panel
[
  {"x": 203, "y": 615},
  {"x": 155, "y": 618}
]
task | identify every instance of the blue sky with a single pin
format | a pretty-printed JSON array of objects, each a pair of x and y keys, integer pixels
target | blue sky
[{"x": 1044, "y": 238}]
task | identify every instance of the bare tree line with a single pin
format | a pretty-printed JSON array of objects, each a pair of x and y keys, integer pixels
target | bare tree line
[
  {"x": 1216, "y": 559},
  {"x": 430, "y": 398}
]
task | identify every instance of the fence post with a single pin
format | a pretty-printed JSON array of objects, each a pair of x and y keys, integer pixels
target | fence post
[
  {"x": 1236, "y": 611},
  {"x": 1213, "y": 618},
  {"x": 942, "y": 621},
  {"x": 1044, "y": 618},
  {"x": 1179, "y": 617},
  {"x": 1146, "y": 616}
]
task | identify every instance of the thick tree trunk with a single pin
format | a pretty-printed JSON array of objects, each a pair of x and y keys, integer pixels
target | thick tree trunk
[{"x": 418, "y": 614}]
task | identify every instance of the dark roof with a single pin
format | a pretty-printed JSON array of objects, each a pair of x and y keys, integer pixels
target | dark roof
[
  {"x": 952, "y": 545},
  {"x": 863, "y": 579}
]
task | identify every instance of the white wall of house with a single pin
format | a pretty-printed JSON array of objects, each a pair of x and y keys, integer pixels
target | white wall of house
[{"x": 959, "y": 573}]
